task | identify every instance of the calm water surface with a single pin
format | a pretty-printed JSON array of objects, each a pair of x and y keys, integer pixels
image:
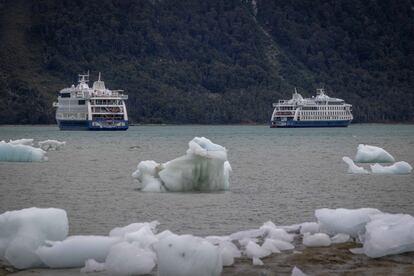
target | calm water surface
[{"x": 281, "y": 175}]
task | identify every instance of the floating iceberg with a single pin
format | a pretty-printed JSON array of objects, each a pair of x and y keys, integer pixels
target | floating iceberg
[
  {"x": 344, "y": 221},
  {"x": 23, "y": 231},
  {"x": 203, "y": 168},
  {"x": 316, "y": 240},
  {"x": 21, "y": 153},
  {"x": 76, "y": 250},
  {"x": 388, "y": 234},
  {"x": 187, "y": 255},
  {"x": 352, "y": 168},
  {"x": 48, "y": 145},
  {"x": 372, "y": 154},
  {"x": 26, "y": 142},
  {"x": 401, "y": 167}
]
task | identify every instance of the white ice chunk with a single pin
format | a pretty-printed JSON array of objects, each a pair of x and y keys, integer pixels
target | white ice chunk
[
  {"x": 297, "y": 272},
  {"x": 164, "y": 234},
  {"x": 92, "y": 266},
  {"x": 147, "y": 176},
  {"x": 203, "y": 168},
  {"x": 133, "y": 227},
  {"x": 340, "y": 238},
  {"x": 228, "y": 249},
  {"x": 217, "y": 239},
  {"x": 144, "y": 237},
  {"x": 357, "y": 250},
  {"x": 316, "y": 240},
  {"x": 21, "y": 153},
  {"x": 372, "y": 154},
  {"x": 48, "y": 145},
  {"x": 346, "y": 221},
  {"x": 253, "y": 250},
  {"x": 271, "y": 245},
  {"x": 23, "y": 231},
  {"x": 401, "y": 167},
  {"x": 228, "y": 252},
  {"x": 257, "y": 261},
  {"x": 75, "y": 250},
  {"x": 26, "y": 142},
  {"x": 248, "y": 234},
  {"x": 389, "y": 234},
  {"x": 280, "y": 234},
  {"x": 186, "y": 256},
  {"x": 309, "y": 227},
  {"x": 281, "y": 245},
  {"x": 291, "y": 228},
  {"x": 352, "y": 168},
  {"x": 128, "y": 259}
]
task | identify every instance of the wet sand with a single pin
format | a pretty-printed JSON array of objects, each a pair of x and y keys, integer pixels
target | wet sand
[{"x": 333, "y": 260}]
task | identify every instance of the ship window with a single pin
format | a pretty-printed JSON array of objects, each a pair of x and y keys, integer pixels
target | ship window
[
  {"x": 81, "y": 102},
  {"x": 65, "y": 95}
]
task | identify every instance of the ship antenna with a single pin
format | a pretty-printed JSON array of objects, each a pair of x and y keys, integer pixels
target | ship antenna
[
  {"x": 296, "y": 91},
  {"x": 99, "y": 78}
]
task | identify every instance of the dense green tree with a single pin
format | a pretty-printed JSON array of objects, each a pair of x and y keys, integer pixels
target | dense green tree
[{"x": 209, "y": 61}]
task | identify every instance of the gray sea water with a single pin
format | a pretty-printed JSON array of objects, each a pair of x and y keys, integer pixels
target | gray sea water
[{"x": 281, "y": 175}]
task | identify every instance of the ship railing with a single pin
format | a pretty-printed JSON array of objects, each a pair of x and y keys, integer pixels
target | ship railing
[{"x": 112, "y": 95}]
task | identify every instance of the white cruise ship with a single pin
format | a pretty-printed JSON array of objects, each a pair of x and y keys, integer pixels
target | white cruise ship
[
  {"x": 319, "y": 111},
  {"x": 97, "y": 108}
]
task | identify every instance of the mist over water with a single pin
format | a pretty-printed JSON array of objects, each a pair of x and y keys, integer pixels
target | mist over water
[{"x": 281, "y": 175}]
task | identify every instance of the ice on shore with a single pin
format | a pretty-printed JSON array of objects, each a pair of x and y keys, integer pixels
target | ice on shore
[
  {"x": 228, "y": 249},
  {"x": 281, "y": 245},
  {"x": 48, "y": 145},
  {"x": 20, "y": 153},
  {"x": 92, "y": 266},
  {"x": 316, "y": 240},
  {"x": 36, "y": 237},
  {"x": 253, "y": 250},
  {"x": 309, "y": 227},
  {"x": 247, "y": 234},
  {"x": 129, "y": 259},
  {"x": 389, "y": 234},
  {"x": 297, "y": 272},
  {"x": 340, "y": 238},
  {"x": 372, "y": 154},
  {"x": 187, "y": 255},
  {"x": 75, "y": 250},
  {"x": 352, "y": 168},
  {"x": 23, "y": 231},
  {"x": 401, "y": 167},
  {"x": 271, "y": 245},
  {"x": 26, "y": 142},
  {"x": 344, "y": 221},
  {"x": 133, "y": 227},
  {"x": 203, "y": 168}
]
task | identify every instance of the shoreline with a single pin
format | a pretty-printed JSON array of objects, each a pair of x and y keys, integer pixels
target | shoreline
[
  {"x": 213, "y": 124},
  {"x": 333, "y": 260}
]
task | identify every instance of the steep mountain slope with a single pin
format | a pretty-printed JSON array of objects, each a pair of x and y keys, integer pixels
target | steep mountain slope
[{"x": 208, "y": 61}]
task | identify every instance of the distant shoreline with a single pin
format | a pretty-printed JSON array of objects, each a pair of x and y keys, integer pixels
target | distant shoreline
[{"x": 184, "y": 124}]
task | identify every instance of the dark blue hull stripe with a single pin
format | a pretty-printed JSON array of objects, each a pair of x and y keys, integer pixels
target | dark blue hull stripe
[
  {"x": 291, "y": 123},
  {"x": 87, "y": 125}
]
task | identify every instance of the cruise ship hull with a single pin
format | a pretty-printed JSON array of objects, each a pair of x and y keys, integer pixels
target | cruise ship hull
[
  {"x": 92, "y": 125},
  {"x": 293, "y": 124}
]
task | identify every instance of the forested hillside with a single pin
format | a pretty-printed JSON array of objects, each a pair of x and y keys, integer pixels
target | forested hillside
[{"x": 208, "y": 61}]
